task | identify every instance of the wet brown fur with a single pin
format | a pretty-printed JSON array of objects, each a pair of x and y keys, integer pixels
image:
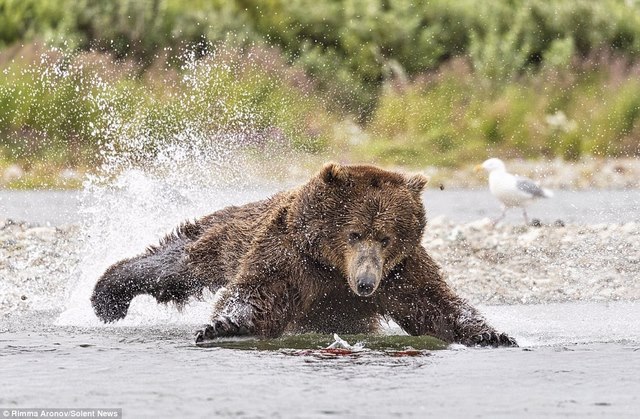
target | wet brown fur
[{"x": 286, "y": 264}]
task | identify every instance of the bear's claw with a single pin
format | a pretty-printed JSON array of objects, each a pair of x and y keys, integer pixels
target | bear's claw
[
  {"x": 494, "y": 339},
  {"x": 207, "y": 333},
  {"x": 219, "y": 328}
]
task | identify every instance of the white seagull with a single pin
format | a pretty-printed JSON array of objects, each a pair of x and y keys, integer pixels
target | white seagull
[{"x": 512, "y": 191}]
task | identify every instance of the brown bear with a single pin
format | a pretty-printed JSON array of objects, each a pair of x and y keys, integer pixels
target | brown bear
[{"x": 334, "y": 255}]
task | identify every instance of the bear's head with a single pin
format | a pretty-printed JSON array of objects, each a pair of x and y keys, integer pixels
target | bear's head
[{"x": 360, "y": 220}]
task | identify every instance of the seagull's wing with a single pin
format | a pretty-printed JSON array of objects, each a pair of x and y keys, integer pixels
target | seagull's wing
[{"x": 528, "y": 186}]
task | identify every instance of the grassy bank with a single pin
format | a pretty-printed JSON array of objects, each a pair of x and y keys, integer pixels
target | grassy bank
[
  {"x": 59, "y": 113},
  {"x": 590, "y": 108}
]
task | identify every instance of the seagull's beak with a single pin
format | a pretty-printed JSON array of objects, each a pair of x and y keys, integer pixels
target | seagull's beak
[{"x": 478, "y": 168}]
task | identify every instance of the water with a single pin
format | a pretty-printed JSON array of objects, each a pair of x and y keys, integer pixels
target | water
[
  {"x": 576, "y": 360},
  {"x": 578, "y": 207}
]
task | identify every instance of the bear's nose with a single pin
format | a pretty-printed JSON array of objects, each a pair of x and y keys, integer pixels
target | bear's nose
[{"x": 365, "y": 287}]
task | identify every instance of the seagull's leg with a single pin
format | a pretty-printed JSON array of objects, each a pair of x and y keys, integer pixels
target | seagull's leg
[
  {"x": 526, "y": 217},
  {"x": 497, "y": 220}
]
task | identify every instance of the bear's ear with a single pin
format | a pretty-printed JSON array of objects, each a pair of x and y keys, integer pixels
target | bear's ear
[
  {"x": 332, "y": 173},
  {"x": 416, "y": 183}
]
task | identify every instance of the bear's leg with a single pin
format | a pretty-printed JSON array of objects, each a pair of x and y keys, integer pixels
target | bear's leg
[
  {"x": 420, "y": 301},
  {"x": 161, "y": 273},
  {"x": 264, "y": 310},
  {"x": 114, "y": 291}
]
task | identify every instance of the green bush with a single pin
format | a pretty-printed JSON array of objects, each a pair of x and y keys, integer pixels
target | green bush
[
  {"x": 350, "y": 46},
  {"x": 451, "y": 120}
]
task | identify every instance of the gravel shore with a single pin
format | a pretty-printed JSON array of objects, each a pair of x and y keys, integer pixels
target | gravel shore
[
  {"x": 506, "y": 264},
  {"x": 36, "y": 264},
  {"x": 517, "y": 264}
]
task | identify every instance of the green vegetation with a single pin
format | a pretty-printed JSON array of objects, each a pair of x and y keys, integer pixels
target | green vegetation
[
  {"x": 65, "y": 109},
  {"x": 588, "y": 109},
  {"x": 428, "y": 81},
  {"x": 348, "y": 46}
]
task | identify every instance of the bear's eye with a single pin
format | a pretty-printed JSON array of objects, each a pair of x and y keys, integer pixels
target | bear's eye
[
  {"x": 385, "y": 242},
  {"x": 355, "y": 236}
]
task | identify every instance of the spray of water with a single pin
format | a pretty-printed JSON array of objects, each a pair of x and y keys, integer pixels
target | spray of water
[{"x": 161, "y": 167}]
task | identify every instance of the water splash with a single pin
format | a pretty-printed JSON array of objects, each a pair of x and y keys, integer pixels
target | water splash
[{"x": 154, "y": 177}]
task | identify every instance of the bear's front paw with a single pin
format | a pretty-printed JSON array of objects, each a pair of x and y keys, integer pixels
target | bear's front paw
[
  {"x": 206, "y": 334},
  {"x": 110, "y": 306},
  {"x": 217, "y": 329},
  {"x": 492, "y": 338}
]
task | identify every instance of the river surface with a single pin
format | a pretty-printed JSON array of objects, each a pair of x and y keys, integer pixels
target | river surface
[
  {"x": 582, "y": 207},
  {"x": 575, "y": 360},
  {"x": 578, "y": 359}
]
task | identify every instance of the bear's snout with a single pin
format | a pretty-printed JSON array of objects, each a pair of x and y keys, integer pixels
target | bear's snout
[
  {"x": 366, "y": 284},
  {"x": 365, "y": 268}
]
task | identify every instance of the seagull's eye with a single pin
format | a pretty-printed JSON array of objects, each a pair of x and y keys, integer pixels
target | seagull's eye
[
  {"x": 385, "y": 242},
  {"x": 355, "y": 237}
]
